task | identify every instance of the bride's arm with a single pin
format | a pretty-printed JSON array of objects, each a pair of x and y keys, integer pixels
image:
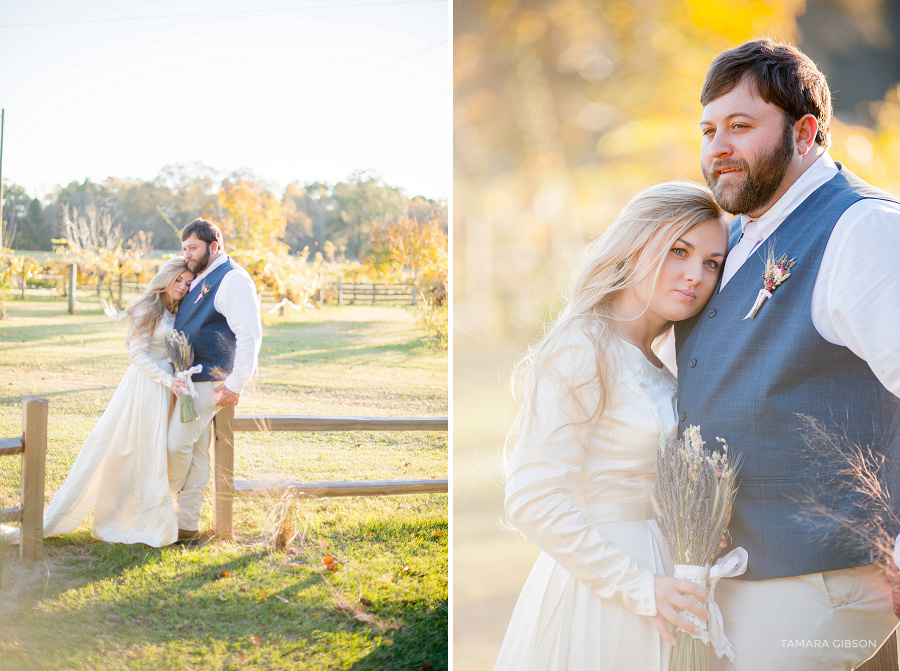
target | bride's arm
[
  {"x": 540, "y": 489},
  {"x": 139, "y": 354}
]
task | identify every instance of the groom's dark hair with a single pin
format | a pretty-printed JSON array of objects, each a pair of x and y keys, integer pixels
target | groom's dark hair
[
  {"x": 783, "y": 75},
  {"x": 206, "y": 231}
]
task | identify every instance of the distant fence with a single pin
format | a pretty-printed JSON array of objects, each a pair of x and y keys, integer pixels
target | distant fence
[
  {"x": 225, "y": 487},
  {"x": 344, "y": 293},
  {"x": 372, "y": 293},
  {"x": 32, "y": 445}
]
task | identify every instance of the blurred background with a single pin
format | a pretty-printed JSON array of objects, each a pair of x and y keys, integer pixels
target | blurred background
[{"x": 562, "y": 110}]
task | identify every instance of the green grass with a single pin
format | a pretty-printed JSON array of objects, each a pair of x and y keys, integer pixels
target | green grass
[{"x": 91, "y": 605}]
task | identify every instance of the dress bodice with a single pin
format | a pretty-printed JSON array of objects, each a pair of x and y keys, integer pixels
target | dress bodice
[
  {"x": 148, "y": 351},
  {"x": 157, "y": 347},
  {"x": 619, "y": 463},
  {"x": 571, "y": 482}
]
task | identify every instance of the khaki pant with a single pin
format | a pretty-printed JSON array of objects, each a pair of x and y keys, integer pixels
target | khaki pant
[
  {"x": 821, "y": 621},
  {"x": 189, "y": 456}
]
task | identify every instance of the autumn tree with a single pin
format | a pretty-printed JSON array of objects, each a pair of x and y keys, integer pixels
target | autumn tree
[
  {"x": 361, "y": 200},
  {"x": 250, "y": 216},
  {"x": 407, "y": 244}
]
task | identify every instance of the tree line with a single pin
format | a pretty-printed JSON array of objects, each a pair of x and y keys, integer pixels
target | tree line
[{"x": 334, "y": 219}]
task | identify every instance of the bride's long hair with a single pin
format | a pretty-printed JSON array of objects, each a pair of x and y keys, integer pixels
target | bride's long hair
[
  {"x": 144, "y": 312},
  {"x": 669, "y": 209}
]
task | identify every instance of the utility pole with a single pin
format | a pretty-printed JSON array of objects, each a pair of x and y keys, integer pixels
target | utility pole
[{"x": 2, "y": 227}]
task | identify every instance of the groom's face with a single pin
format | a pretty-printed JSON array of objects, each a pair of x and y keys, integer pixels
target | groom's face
[
  {"x": 196, "y": 254},
  {"x": 749, "y": 151}
]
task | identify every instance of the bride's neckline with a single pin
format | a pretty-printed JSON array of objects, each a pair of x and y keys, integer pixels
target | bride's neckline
[{"x": 641, "y": 352}]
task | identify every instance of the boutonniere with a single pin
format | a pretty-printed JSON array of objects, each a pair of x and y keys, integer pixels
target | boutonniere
[
  {"x": 776, "y": 272},
  {"x": 203, "y": 291}
]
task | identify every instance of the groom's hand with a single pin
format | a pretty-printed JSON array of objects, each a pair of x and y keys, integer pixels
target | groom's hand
[{"x": 224, "y": 396}]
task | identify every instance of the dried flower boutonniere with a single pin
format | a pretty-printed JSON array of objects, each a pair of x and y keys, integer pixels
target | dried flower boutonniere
[
  {"x": 203, "y": 291},
  {"x": 777, "y": 271}
]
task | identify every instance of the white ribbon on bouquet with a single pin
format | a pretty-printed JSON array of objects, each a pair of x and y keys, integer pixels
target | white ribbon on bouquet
[
  {"x": 185, "y": 376},
  {"x": 731, "y": 565}
]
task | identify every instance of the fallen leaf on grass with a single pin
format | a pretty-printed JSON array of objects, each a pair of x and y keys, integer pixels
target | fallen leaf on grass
[
  {"x": 281, "y": 598},
  {"x": 255, "y": 640},
  {"x": 245, "y": 588},
  {"x": 222, "y": 597},
  {"x": 365, "y": 602},
  {"x": 221, "y": 574},
  {"x": 342, "y": 607}
]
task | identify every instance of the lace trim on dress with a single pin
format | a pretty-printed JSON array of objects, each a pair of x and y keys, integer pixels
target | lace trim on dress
[{"x": 641, "y": 367}]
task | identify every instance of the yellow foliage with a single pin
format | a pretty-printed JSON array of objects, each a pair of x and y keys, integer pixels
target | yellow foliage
[{"x": 250, "y": 217}]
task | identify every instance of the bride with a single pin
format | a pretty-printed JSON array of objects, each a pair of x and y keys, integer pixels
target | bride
[
  {"x": 582, "y": 452},
  {"x": 121, "y": 470}
]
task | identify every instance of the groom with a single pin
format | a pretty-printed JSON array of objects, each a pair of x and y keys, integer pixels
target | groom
[
  {"x": 822, "y": 344},
  {"x": 220, "y": 316}
]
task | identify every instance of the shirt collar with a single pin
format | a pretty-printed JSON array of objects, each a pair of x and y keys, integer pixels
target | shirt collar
[
  {"x": 211, "y": 267},
  {"x": 822, "y": 170}
]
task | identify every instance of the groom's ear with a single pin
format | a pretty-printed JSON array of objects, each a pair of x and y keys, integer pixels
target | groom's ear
[{"x": 213, "y": 247}]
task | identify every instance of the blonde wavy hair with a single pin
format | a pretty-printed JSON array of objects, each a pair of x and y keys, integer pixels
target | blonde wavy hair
[
  {"x": 611, "y": 266},
  {"x": 144, "y": 313}
]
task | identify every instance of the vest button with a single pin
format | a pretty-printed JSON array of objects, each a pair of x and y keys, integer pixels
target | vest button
[
  {"x": 692, "y": 363},
  {"x": 682, "y": 416},
  {"x": 711, "y": 313}
]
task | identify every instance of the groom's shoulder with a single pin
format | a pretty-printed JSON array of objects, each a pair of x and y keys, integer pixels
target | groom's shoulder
[{"x": 239, "y": 274}]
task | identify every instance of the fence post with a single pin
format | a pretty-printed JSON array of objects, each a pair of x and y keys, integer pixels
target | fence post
[
  {"x": 340, "y": 291},
  {"x": 412, "y": 293},
  {"x": 73, "y": 280},
  {"x": 223, "y": 472},
  {"x": 34, "y": 425},
  {"x": 24, "y": 280},
  {"x": 373, "y": 293}
]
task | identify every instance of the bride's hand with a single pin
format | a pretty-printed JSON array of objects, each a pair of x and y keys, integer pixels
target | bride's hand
[
  {"x": 178, "y": 386},
  {"x": 673, "y": 596}
]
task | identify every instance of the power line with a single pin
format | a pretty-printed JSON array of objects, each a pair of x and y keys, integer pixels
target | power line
[
  {"x": 336, "y": 85},
  {"x": 236, "y": 11}
]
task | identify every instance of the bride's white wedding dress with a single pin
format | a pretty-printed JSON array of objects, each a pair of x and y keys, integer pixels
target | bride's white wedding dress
[
  {"x": 121, "y": 471},
  {"x": 582, "y": 493}
]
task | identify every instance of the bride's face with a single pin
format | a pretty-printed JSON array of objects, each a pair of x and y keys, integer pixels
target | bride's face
[
  {"x": 688, "y": 275},
  {"x": 176, "y": 291}
]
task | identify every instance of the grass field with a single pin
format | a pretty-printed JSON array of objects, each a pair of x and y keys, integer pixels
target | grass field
[{"x": 241, "y": 603}]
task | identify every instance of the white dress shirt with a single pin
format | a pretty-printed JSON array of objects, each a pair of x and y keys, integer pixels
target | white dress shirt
[
  {"x": 856, "y": 295},
  {"x": 237, "y": 301}
]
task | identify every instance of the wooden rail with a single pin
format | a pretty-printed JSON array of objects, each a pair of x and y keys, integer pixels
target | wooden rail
[
  {"x": 372, "y": 292},
  {"x": 225, "y": 487},
  {"x": 32, "y": 445}
]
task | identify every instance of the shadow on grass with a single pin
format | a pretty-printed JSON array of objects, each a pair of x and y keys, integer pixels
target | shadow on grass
[
  {"x": 13, "y": 400},
  {"x": 422, "y": 643},
  {"x": 207, "y": 606},
  {"x": 15, "y": 336},
  {"x": 335, "y": 341}
]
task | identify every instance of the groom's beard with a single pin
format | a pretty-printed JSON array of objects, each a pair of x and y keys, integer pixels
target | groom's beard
[
  {"x": 199, "y": 265},
  {"x": 762, "y": 178}
]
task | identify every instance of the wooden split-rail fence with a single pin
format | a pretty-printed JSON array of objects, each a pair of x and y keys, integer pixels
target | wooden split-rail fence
[
  {"x": 372, "y": 293},
  {"x": 32, "y": 446},
  {"x": 226, "y": 488}
]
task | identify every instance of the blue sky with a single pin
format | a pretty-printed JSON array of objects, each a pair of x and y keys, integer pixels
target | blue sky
[{"x": 290, "y": 89}]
